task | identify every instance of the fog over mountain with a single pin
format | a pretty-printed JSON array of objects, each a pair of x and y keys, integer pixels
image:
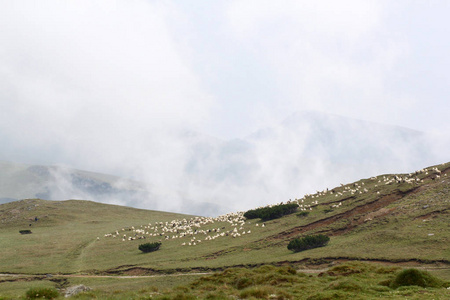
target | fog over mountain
[
  {"x": 214, "y": 106},
  {"x": 306, "y": 152}
]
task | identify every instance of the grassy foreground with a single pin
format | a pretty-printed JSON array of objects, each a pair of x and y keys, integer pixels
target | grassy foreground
[{"x": 354, "y": 280}]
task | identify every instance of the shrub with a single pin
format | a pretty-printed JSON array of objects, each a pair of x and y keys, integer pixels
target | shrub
[
  {"x": 308, "y": 242},
  {"x": 253, "y": 213},
  {"x": 273, "y": 212},
  {"x": 409, "y": 277},
  {"x": 149, "y": 247},
  {"x": 27, "y": 231},
  {"x": 45, "y": 293}
]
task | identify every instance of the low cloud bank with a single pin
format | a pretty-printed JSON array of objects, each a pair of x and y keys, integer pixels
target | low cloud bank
[{"x": 197, "y": 174}]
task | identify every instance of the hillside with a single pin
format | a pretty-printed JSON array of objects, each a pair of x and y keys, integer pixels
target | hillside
[
  {"x": 388, "y": 219},
  {"x": 401, "y": 217},
  {"x": 62, "y": 232}
]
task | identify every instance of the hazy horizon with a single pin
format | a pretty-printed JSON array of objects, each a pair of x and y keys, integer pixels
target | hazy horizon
[{"x": 110, "y": 86}]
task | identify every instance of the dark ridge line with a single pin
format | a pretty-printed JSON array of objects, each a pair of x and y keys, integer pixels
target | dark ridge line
[
  {"x": 431, "y": 213},
  {"x": 28, "y": 278}
]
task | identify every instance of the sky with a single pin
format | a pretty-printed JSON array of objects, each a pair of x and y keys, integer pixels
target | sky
[{"x": 106, "y": 86}]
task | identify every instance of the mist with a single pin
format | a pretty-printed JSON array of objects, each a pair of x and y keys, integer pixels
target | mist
[{"x": 224, "y": 106}]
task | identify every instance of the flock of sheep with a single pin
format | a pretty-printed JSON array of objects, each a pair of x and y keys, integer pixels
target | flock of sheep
[
  {"x": 193, "y": 231},
  {"x": 359, "y": 188}
]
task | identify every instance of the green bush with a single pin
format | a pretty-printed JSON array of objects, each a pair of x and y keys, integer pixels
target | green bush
[
  {"x": 27, "y": 231},
  {"x": 270, "y": 213},
  {"x": 253, "y": 213},
  {"x": 409, "y": 277},
  {"x": 149, "y": 247},
  {"x": 308, "y": 242},
  {"x": 44, "y": 293}
]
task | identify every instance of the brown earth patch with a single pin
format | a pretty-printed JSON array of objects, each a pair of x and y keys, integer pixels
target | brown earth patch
[
  {"x": 376, "y": 208},
  {"x": 138, "y": 272}
]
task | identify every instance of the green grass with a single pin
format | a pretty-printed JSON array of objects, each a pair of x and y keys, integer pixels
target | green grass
[
  {"x": 102, "y": 288},
  {"x": 395, "y": 222},
  {"x": 351, "y": 280},
  {"x": 64, "y": 235}
]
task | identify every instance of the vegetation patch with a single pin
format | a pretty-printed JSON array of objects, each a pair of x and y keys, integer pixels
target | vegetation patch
[
  {"x": 308, "y": 242},
  {"x": 41, "y": 293},
  {"x": 271, "y": 212},
  {"x": 243, "y": 282},
  {"x": 416, "y": 277},
  {"x": 351, "y": 268},
  {"x": 27, "y": 231},
  {"x": 350, "y": 280},
  {"x": 346, "y": 285},
  {"x": 149, "y": 247}
]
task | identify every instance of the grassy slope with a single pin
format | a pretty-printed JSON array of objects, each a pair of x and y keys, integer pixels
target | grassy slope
[
  {"x": 403, "y": 222},
  {"x": 64, "y": 232}
]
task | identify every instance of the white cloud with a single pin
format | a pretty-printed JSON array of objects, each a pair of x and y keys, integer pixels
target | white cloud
[
  {"x": 334, "y": 56},
  {"x": 95, "y": 79},
  {"x": 333, "y": 19}
]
